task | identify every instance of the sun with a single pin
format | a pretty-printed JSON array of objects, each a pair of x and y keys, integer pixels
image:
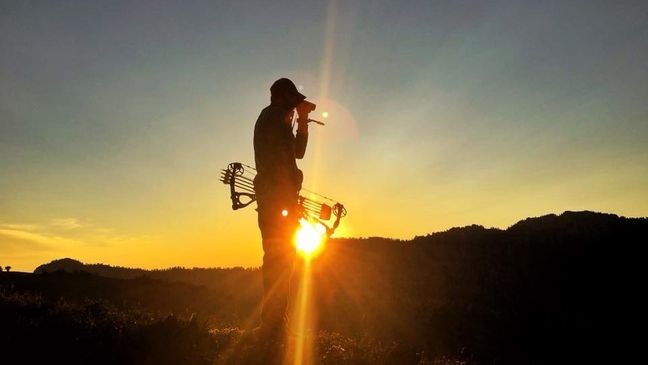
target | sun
[{"x": 309, "y": 239}]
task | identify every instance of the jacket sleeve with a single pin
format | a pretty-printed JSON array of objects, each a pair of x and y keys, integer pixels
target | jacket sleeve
[{"x": 301, "y": 140}]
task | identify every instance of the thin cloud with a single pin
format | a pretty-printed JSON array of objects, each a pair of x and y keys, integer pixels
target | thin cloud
[
  {"x": 13, "y": 242},
  {"x": 61, "y": 235},
  {"x": 21, "y": 227},
  {"x": 66, "y": 223},
  {"x": 29, "y": 245},
  {"x": 41, "y": 239}
]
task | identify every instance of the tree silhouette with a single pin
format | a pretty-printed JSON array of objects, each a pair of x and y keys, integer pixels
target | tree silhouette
[{"x": 7, "y": 268}]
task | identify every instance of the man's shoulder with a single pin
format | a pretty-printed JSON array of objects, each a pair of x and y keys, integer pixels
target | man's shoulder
[
  {"x": 271, "y": 112},
  {"x": 270, "y": 116}
]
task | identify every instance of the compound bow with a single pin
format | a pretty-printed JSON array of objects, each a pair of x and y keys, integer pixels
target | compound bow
[{"x": 313, "y": 206}]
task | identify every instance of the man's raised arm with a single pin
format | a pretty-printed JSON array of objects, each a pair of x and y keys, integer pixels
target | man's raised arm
[{"x": 301, "y": 139}]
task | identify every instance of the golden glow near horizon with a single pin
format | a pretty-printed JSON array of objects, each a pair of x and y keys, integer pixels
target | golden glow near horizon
[{"x": 309, "y": 239}]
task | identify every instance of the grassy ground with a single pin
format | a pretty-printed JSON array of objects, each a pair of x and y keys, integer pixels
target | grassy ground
[{"x": 35, "y": 330}]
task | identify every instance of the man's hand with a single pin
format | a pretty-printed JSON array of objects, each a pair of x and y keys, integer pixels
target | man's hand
[
  {"x": 304, "y": 108},
  {"x": 302, "y": 125}
]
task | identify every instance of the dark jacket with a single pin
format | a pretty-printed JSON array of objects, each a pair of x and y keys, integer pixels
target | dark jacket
[{"x": 275, "y": 151}]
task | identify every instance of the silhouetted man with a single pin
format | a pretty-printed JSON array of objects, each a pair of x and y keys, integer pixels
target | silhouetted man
[{"x": 277, "y": 187}]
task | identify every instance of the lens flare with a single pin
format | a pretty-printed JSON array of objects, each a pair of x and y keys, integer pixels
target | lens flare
[
  {"x": 325, "y": 115},
  {"x": 309, "y": 239}
]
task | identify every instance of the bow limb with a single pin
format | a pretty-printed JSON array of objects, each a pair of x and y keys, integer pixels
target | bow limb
[{"x": 234, "y": 170}]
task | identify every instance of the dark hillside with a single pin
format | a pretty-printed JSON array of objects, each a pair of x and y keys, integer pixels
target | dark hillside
[{"x": 545, "y": 288}]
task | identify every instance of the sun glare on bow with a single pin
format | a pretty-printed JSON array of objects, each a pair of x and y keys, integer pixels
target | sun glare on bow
[{"x": 309, "y": 240}]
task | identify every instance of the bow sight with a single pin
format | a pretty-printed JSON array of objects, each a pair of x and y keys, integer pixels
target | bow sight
[{"x": 313, "y": 206}]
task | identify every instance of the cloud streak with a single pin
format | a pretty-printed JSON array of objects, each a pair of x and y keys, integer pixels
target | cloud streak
[
  {"x": 30, "y": 244},
  {"x": 66, "y": 223}
]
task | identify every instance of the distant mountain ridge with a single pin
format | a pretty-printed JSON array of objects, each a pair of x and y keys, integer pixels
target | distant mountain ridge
[
  {"x": 121, "y": 272},
  {"x": 569, "y": 222},
  {"x": 208, "y": 277}
]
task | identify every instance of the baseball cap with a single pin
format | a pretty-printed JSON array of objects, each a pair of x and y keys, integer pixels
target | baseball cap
[{"x": 285, "y": 87}]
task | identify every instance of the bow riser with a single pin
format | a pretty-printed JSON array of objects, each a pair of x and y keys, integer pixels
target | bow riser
[{"x": 243, "y": 186}]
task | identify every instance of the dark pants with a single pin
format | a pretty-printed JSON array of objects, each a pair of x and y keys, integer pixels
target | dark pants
[{"x": 278, "y": 256}]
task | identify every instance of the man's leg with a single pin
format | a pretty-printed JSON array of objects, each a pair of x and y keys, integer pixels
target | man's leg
[{"x": 277, "y": 268}]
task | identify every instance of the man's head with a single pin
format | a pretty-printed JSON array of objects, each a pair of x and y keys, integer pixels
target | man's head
[{"x": 284, "y": 92}]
